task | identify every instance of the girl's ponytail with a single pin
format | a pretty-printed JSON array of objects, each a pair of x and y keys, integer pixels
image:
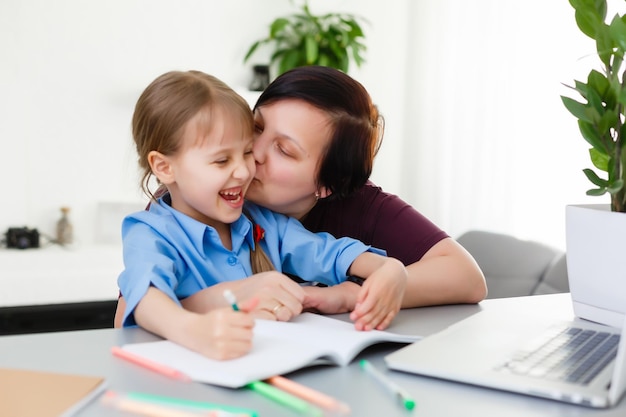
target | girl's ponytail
[{"x": 258, "y": 258}]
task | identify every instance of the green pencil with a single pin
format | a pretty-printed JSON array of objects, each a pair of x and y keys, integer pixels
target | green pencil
[
  {"x": 181, "y": 402},
  {"x": 285, "y": 398}
]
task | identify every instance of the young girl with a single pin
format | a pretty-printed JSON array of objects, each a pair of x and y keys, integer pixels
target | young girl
[{"x": 195, "y": 135}]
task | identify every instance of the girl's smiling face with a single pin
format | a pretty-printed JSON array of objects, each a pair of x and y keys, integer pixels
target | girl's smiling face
[{"x": 210, "y": 173}]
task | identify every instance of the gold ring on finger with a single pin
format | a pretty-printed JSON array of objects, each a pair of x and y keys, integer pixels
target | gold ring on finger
[{"x": 275, "y": 309}]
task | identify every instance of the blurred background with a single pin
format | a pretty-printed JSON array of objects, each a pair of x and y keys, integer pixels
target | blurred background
[{"x": 476, "y": 135}]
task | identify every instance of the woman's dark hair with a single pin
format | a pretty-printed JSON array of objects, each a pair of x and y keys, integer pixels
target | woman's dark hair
[{"x": 357, "y": 127}]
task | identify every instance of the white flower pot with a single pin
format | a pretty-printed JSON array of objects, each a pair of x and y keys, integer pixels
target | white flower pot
[{"x": 596, "y": 262}]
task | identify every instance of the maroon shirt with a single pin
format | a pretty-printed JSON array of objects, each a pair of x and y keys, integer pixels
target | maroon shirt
[{"x": 378, "y": 219}]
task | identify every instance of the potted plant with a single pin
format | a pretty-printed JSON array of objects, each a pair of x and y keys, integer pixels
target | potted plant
[
  {"x": 595, "y": 233},
  {"x": 332, "y": 40}
]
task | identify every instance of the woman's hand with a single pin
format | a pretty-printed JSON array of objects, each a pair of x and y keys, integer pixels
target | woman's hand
[
  {"x": 381, "y": 295},
  {"x": 280, "y": 298},
  {"x": 340, "y": 298}
]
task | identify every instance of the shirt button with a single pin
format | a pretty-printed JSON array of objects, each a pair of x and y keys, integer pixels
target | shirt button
[{"x": 232, "y": 260}]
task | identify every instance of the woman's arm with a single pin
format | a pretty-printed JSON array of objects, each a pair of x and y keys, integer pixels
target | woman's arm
[
  {"x": 446, "y": 274},
  {"x": 440, "y": 270}
]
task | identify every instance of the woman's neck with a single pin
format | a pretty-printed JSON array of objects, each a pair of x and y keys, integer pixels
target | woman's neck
[{"x": 301, "y": 212}]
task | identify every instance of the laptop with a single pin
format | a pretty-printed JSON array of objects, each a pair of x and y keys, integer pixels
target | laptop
[{"x": 574, "y": 361}]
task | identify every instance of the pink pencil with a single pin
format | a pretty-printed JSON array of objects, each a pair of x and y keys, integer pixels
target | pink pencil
[
  {"x": 146, "y": 363},
  {"x": 310, "y": 395}
]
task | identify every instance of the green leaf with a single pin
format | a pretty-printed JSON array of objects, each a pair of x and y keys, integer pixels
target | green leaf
[
  {"x": 598, "y": 82},
  {"x": 581, "y": 88},
  {"x": 591, "y": 134},
  {"x": 596, "y": 192},
  {"x": 595, "y": 101},
  {"x": 598, "y": 5},
  {"x": 579, "y": 110},
  {"x": 253, "y": 48},
  {"x": 617, "y": 30},
  {"x": 589, "y": 15},
  {"x": 311, "y": 49},
  {"x": 593, "y": 177},
  {"x": 278, "y": 26},
  {"x": 611, "y": 170},
  {"x": 290, "y": 59},
  {"x": 604, "y": 44},
  {"x": 620, "y": 92},
  {"x": 355, "y": 29},
  {"x": 335, "y": 47},
  {"x": 323, "y": 60},
  {"x": 344, "y": 62},
  {"x": 599, "y": 159},
  {"x": 358, "y": 59},
  {"x": 609, "y": 119},
  {"x": 615, "y": 187},
  {"x": 586, "y": 22}
]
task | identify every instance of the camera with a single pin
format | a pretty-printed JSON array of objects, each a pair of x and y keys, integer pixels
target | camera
[{"x": 22, "y": 238}]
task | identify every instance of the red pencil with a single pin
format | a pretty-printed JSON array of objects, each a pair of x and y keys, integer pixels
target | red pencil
[{"x": 146, "y": 363}]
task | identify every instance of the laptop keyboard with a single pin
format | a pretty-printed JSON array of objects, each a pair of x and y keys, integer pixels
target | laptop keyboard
[{"x": 568, "y": 353}]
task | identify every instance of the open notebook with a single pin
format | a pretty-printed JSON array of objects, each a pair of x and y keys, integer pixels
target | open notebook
[{"x": 278, "y": 348}]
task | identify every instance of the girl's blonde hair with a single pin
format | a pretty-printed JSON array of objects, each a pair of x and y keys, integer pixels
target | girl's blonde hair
[{"x": 162, "y": 112}]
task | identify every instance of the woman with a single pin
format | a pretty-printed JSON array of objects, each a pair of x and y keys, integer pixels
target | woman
[{"x": 317, "y": 135}]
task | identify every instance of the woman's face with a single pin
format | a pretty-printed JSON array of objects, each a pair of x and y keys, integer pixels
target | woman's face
[{"x": 290, "y": 138}]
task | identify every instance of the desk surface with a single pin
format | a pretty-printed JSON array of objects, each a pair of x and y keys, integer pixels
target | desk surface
[{"x": 88, "y": 352}]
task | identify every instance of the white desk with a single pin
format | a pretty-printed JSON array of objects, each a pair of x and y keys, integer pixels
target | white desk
[{"x": 88, "y": 352}]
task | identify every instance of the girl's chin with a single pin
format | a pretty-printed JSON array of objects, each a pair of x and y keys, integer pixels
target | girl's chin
[{"x": 231, "y": 217}]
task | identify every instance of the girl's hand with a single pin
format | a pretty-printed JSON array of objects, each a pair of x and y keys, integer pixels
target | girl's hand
[
  {"x": 223, "y": 333},
  {"x": 219, "y": 334},
  {"x": 340, "y": 298},
  {"x": 380, "y": 297}
]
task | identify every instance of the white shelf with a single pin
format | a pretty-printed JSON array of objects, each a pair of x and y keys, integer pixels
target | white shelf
[{"x": 56, "y": 275}]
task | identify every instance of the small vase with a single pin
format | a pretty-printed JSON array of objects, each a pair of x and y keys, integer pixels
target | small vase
[
  {"x": 261, "y": 78},
  {"x": 65, "y": 232}
]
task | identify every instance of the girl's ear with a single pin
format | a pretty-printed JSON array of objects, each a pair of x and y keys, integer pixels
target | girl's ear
[{"x": 161, "y": 167}]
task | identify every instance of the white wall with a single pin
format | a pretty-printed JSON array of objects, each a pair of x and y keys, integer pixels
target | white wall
[
  {"x": 450, "y": 77},
  {"x": 72, "y": 70},
  {"x": 496, "y": 148}
]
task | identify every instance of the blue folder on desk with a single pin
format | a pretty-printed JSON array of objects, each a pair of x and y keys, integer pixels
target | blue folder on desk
[{"x": 576, "y": 361}]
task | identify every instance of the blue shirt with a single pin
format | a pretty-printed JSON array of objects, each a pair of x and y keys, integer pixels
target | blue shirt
[{"x": 180, "y": 256}]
